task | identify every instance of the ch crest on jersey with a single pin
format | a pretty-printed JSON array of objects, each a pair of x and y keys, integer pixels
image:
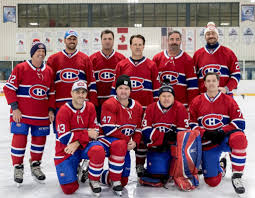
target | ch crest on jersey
[
  {"x": 211, "y": 68},
  {"x": 212, "y": 121},
  {"x": 38, "y": 92},
  {"x": 162, "y": 127},
  {"x": 136, "y": 83},
  {"x": 106, "y": 75},
  {"x": 69, "y": 75},
  {"x": 127, "y": 130},
  {"x": 170, "y": 75}
]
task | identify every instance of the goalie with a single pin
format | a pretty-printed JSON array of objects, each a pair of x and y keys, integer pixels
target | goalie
[{"x": 162, "y": 121}]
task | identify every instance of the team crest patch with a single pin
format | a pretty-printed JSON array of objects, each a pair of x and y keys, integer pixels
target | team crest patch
[
  {"x": 169, "y": 75},
  {"x": 69, "y": 75},
  {"x": 212, "y": 121},
  {"x": 38, "y": 92}
]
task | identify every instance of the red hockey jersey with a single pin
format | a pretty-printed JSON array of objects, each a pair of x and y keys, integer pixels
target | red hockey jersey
[
  {"x": 215, "y": 113},
  {"x": 33, "y": 89},
  {"x": 122, "y": 122},
  {"x": 69, "y": 69},
  {"x": 72, "y": 125},
  {"x": 144, "y": 79},
  {"x": 104, "y": 68},
  {"x": 181, "y": 72},
  {"x": 157, "y": 121},
  {"x": 222, "y": 61}
]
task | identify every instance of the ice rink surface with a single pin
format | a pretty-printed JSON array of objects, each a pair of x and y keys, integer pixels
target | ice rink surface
[{"x": 51, "y": 189}]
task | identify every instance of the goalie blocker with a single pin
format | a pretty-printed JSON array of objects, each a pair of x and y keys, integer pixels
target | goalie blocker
[{"x": 180, "y": 162}]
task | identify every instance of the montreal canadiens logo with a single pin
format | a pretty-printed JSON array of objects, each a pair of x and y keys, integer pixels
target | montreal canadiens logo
[
  {"x": 162, "y": 127},
  {"x": 106, "y": 75},
  {"x": 38, "y": 92},
  {"x": 127, "y": 130},
  {"x": 211, "y": 68},
  {"x": 69, "y": 75},
  {"x": 136, "y": 83},
  {"x": 212, "y": 121},
  {"x": 171, "y": 76}
]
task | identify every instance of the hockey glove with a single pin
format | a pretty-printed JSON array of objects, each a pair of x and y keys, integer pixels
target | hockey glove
[
  {"x": 170, "y": 135},
  {"x": 216, "y": 136}
]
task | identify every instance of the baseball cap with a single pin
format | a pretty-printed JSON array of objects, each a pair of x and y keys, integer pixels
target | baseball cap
[
  {"x": 79, "y": 85},
  {"x": 70, "y": 33}
]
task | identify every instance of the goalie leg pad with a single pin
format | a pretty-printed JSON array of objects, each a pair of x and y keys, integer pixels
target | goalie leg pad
[{"x": 158, "y": 162}]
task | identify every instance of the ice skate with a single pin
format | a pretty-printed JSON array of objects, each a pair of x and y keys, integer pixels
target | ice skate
[
  {"x": 95, "y": 187},
  {"x": 117, "y": 188},
  {"x": 36, "y": 171},
  {"x": 223, "y": 165},
  {"x": 83, "y": 171},
  {"x": 18, "y": 174},
  {"x": 140, "y": 170},
  {"x": 238, "y": 184}
]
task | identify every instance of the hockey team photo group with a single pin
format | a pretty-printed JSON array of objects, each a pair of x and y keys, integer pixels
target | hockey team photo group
[{"x": 177, "y": 114}]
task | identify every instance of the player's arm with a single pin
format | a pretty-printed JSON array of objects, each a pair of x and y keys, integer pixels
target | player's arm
[
  {"x": 155, "y": 81},
  {"x": 236, "y": 118},
  {"x": 51, "y": 96},
  {"x": 151, "y": 135},
  {"x": 91, "y": 81},
  {"x": 93, "y": 119},
  {"x": 138, "y": 132},
  {"x": 116, "y": 75},
  {"x": 193, "y": 122},
  {"x": 65, "y": 133},
  {"x": 108, "y": 122},
  {"x": 192, "y": 81},
  {"x": 234, "y": 70},
  {"x": 182, "y": 119}
]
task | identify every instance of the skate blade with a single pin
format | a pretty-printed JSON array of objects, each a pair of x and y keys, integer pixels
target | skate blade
[
  {"x": 18, "y": 185},
  {"x": 95, "y": 194},
  {"x": 118, "y": 193},
  {"x": 243, "y": 195},
  {"x": 38, "y": 181}
]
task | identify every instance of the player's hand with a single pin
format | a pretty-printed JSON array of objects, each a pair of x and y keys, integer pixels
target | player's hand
[
  {"x": 16, "y": 115},
  {"x": 93, "y": 133},
  {"x": 71, "y": 148},
  {"x": 131, "y": 145},
  {"x": 51, "y": 116},
  {"x": 223, "y": 90}
]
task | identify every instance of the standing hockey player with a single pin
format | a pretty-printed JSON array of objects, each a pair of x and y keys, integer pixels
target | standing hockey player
[
  {"x": 221, "y": 125},
  {"x": 121, "y": 124},
  {"x": 144, "y": 80},
  {"x": 77, "y": 128},
  {"x": 104, "y": 63},
  {"x": 69, "y": 66},
  {"x": 30, "y": 93},
  {"x": 216, "y": 58},
  {"x": 178, "y": 67}
]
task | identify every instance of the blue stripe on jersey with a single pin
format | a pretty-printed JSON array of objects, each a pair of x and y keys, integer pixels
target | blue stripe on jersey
[
  {"x": 192, "y": 125},
  {"x": 236, "y": 160},
  {"x": 64, "y": 139},
  {"x": 18, "y": 152},
  {"x": 10, "y": 86},
  {"x": 223, "y": 70},
  {"x": 182, "y": 79},
  {"x": 81, "y": 76},
  {"x": 113, "y": 92},
  {"x": 155, "y": 93},
  {"x": 92, "y": 86},
  {"x": 192, "y": 83},
  {"x": 239, "y": 123},
  {"x": 24, "y": 91},
  {"x": 37, "y": 148},
  {"x": 108, "y": 129},
  {"x": 236, "y": 76},
  {"x": 146, "y": 134}
]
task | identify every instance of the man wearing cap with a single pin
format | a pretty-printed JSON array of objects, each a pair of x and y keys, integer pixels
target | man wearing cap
[
  {"x": 104, "y": 63},
  {"x": 121, "y": 125},
  {"x": 178, "y": 67},
  {"x": 30, "y": 93},
  {"x": 161, "y": 122},
  {"x": 77, "y": 129},
  {"x": 216, "y": 58},
  {"x": 69, "y": 66}
]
